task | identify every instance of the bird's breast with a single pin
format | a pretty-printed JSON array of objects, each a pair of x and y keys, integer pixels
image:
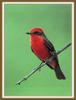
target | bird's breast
[{"x": 38, "y": 47}]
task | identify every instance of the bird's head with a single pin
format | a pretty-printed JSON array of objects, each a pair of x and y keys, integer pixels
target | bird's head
[{"x": 35, "y": 31}]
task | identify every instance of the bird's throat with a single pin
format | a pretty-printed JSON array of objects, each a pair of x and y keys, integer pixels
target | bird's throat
[{"x": 35, "y": 39}]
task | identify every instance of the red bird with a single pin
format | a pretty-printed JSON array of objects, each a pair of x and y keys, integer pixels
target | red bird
[{"x": 44, "y": 50}]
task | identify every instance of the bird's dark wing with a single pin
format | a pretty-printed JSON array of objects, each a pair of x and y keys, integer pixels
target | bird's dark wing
[
  {"x": 57, "y": 69},
  {"x": 51, "y": 49},
  {"x": 48, "y": 44}
]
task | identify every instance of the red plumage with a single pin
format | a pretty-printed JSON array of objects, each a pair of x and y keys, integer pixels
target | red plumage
[
  {"x": 40, "y": 50},
  {"x": 44, "y": 49}
]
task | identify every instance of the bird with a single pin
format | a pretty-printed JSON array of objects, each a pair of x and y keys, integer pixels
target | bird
[{"x": 42, "y": 47}]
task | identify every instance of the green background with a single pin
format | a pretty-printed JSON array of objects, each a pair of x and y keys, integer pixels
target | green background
[{"x": 55, "y": 20}]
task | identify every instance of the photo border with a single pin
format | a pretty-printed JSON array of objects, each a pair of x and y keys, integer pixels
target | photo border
[{"x": 2, "y": 42}]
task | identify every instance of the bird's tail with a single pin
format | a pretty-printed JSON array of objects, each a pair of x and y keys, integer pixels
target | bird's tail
[{"x": 59, "y": 73}]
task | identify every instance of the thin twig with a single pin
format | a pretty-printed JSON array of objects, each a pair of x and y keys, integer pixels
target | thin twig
[{"x": 42, "y": 64}]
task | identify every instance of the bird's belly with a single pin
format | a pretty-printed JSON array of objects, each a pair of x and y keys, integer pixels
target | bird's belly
[{"x": 41, "y": 51}]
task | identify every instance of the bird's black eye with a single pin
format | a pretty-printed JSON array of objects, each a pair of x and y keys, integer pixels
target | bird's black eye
[{"x": 37, "y": 33}]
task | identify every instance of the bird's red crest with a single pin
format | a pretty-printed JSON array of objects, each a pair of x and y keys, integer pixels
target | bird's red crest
[{"x": 36, "y": 29}]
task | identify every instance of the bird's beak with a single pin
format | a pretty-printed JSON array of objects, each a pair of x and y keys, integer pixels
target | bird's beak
[{"x": 28, "y": 33}]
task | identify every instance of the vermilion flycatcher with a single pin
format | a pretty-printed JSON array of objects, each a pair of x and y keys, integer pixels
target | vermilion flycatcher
[{"x": 44, "y": 50}]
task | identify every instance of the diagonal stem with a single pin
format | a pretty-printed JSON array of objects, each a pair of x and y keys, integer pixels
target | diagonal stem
[
  {"x": 42, "y": 64},
  {"x": 31, "y": 73}
]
